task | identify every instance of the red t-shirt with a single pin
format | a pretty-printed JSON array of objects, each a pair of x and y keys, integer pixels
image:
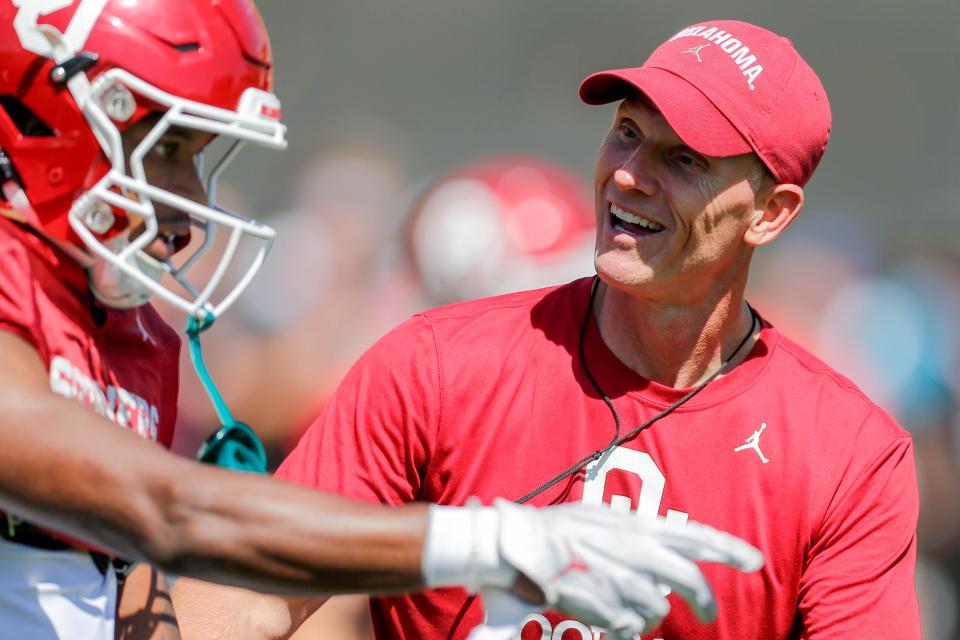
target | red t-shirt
[
  {"x": 488, "y": 398},
  {"x": 122, "y": 364}
]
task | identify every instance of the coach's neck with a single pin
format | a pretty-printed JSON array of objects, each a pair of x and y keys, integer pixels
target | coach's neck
[{"x": 676, "y": 343}]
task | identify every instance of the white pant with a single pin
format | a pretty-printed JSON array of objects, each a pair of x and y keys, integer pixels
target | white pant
[{"x": 53, "y": 595}]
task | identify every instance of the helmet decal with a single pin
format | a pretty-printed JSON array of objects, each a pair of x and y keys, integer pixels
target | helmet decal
[{"x": 29, "y": 12}]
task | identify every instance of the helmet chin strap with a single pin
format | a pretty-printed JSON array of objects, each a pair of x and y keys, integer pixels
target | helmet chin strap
[{"x": 234, "y": 445}]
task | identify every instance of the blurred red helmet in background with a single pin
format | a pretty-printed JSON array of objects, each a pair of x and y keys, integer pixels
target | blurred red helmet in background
[{"x": 501, "y": 224}]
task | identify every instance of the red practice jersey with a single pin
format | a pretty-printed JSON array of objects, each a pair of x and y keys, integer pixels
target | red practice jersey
[
  {"x": 489, "y": 398},
  {"x": 121, "y": 364}
]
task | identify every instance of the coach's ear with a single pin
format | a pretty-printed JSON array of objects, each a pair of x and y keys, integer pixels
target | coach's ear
[{"x": 774, "y": 213}]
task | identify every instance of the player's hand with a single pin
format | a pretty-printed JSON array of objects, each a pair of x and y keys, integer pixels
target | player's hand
[
  {"x": 608, "y": 569},
  {"x": 603, "y": 568}
]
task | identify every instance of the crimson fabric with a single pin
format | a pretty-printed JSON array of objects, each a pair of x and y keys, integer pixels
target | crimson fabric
[
  {"x": 125, "y": 369},
  {"x": 727, "y": 87},
  {"x": 488, "y": 398}
]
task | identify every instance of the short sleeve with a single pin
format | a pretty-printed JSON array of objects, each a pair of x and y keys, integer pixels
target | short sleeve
[
  {"x": 18, "y": 311},
  {"x": 372, "y": 440},
  {"x": 858, "y": 581}
]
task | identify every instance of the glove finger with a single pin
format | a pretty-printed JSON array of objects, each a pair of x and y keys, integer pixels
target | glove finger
[
  {"x": 706, "y": 544},
  {"x": 660, "y": 563},
  {"x": 628, "y": 600},
  {"x": 669, "y": 568},
  {"x": 592, "y": 598},
  {"x": 646, "y": 598},
  {"x": 628, "y": 625},
  {"x": 692, "y": 539}
]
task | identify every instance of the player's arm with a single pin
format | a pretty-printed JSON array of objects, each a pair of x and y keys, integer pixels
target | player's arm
[{"x": 65, "y": 467}]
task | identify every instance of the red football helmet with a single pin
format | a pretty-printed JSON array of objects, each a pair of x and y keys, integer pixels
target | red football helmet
[
  {"x": 501, "y": 224},
  {"x": 74, "y": 74}
]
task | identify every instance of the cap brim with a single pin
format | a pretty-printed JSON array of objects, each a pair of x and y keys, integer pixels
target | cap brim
[{"x": 694, "y": 118}]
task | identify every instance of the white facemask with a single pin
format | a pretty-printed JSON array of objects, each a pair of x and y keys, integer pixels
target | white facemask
[{"x": 123, "y": 274}]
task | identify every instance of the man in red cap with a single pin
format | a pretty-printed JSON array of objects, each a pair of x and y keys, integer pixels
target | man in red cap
[{"x": 654, "y": 387}]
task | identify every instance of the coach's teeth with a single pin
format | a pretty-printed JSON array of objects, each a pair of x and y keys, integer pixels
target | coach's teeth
[{"x": 634, "y": 219}]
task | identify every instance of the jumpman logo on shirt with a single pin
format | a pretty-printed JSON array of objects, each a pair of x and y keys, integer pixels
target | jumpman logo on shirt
[
  {"x": 696, "y": 51},
  {"x": 753, "y": 442}
]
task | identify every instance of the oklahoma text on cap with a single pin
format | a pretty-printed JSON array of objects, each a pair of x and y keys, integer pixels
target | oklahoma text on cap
[{"x": 727, "y": 88}]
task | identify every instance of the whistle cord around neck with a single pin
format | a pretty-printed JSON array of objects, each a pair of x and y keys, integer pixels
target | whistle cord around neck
[{"x": 617, "y": 439}]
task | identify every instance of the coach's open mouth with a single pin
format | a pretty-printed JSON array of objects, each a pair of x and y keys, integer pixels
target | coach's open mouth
[{"x": 632, "y": 223}]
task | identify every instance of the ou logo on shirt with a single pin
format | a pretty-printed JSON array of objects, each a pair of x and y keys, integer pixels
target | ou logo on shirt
[
  {"x": 640, "y": 464},
  {"x": 565, "y": 630}
]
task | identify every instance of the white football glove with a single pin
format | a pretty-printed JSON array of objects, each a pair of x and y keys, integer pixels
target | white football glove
[{"x": 603, "y": 568}]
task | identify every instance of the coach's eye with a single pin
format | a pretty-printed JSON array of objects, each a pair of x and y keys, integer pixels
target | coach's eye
[
  {"x": 689, "y": 161},
  {"x": 628, "y": 132}
]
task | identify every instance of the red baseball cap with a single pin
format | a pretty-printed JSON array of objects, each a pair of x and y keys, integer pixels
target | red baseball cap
[{"x": 727, "y": 88}]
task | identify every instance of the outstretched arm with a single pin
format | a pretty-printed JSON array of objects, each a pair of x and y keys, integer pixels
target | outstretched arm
[{"x": 67, "y": 468}]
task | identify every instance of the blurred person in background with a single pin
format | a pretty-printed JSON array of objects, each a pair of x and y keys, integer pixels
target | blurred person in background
[
  {"x": 706, "y": 160},
  {"x": 499, "y": 224}
]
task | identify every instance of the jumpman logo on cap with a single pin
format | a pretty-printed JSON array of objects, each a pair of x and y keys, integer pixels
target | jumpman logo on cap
[
  {"x": 696, "y": 51},
  {"x": 753, "y": 442}
]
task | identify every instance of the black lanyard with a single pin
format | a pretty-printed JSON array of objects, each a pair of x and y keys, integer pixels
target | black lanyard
[{"x": 617, "y": 438}]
